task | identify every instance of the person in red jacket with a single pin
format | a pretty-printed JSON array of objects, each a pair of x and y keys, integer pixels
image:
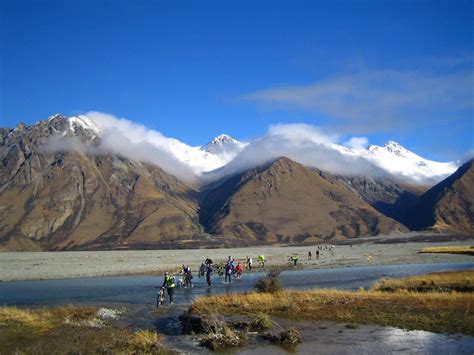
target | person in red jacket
[{"x": 239, "y": 269}]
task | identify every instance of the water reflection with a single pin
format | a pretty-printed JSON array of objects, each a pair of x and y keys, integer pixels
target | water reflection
[
  {"x": 334, "y": 338},
  {"x": 418, "y": 340}
]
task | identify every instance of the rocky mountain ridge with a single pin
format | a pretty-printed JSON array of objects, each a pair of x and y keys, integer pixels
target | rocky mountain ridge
[
  {"x": 74, "y": 200},
  {"x": 75, "y": 197}
]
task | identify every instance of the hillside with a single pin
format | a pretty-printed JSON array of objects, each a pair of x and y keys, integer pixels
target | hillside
[
  {"x": 449, "y": 205},
  {"x": 284, "y": 201},
  {"x": 73, "y": 200}
]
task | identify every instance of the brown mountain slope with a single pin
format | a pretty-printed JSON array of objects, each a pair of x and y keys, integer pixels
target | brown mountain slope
[
  {"x": 390, "y": 197},
  {"x": 449, "y": 205},
  {"x": 73, "y": 200},
  {"x": 287, "y": 202}
]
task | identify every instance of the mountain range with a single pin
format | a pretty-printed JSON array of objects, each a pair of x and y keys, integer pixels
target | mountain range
[{"x": 76, "y": 183}]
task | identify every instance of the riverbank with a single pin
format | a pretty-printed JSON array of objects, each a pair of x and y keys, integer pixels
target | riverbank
[
  {"x": 15, "y": 266},
  {"x": 439, "y": 312},
  {"x": 224, "y": 319}
]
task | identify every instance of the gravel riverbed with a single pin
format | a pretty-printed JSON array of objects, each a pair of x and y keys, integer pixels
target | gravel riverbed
[{"x": 58, "y": 265}]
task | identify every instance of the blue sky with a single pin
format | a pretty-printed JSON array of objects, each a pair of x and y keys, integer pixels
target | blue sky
[{"x": 400, "y": 70}]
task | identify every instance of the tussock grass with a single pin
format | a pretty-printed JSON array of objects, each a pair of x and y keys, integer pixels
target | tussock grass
[
  {"x": 466, "y": 250},
  {"x": 431, "y": 311},
  {"x": 218, "y": 335},
  {"x": 69, "y": 330},
  {"x": 261, "y": 321},
  {"x": 288, "y": 337},
  {"x": 144, "y": 341},
  {"x": 461, "y": 281},
  {"x": 270, "y": 283},
  {"x": 40, "y": 320}
]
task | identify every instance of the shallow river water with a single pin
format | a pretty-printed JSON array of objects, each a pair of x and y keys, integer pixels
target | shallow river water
[{"x": 137, "y": 294}]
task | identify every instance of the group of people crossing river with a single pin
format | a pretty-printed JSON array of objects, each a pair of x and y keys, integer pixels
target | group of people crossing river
[{"x": 227, "y": 269}]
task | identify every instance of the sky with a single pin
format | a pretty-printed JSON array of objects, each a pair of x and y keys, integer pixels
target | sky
[{"x": 370, "y": 70}]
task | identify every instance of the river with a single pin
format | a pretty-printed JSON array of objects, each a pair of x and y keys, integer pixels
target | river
[{"x": 137, "y": 294}]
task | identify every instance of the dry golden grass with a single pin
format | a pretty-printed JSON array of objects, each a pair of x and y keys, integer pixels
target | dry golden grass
[
  {"x": 69, "y": 329},
  {"x": 438, "y": 312},
  {"x": 462, "y": 281},
  {"x": 466, "y": 250},
  {"x": 144, "y": 340},
  {"x": 39, "y": 321}
]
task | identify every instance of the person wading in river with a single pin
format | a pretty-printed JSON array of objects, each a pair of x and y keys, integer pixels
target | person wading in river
[
  {"x": 228, "y": 272},
  {"x": 249, "y": 263},
  {"x": 209, "y": 275},
  {"x": 170, "y": 284},
  {"x": 239, "y": 269}
]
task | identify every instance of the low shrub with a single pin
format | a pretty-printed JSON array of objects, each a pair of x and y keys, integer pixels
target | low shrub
[
  {"x": 290, "y": 336},
  {"x": 218, "y": 335},
  {"x": 261, "y": 322},
  {"x": 270, "y": 283}
]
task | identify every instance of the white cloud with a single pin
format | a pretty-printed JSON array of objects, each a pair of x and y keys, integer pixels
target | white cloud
[
  {"x": 305, "y": 144},
  {"x": 301, "y": 132},
  {"x": 131, "y": 140},
  {"x": 357, "y": 143},
  {"x": 379, "y": 100}
]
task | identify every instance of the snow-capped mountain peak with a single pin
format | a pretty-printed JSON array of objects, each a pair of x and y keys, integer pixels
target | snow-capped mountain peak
[
  {"x": 224, "y": 145},
  {"x": 391, "y": 146},
  {"x": 396, "y": 148},
  {"x": 222, "y": 139},
  {"x": 85, "y": 123},
  {"x": 55, "y": 116},
  {"x": 398, "y": 160}
]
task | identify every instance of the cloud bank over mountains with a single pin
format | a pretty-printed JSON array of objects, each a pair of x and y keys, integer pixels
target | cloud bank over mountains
[
  {"x": 127, "y": 138},
  {"x": 306, "y": 144},
  {"x": 303, "y": 143}
]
